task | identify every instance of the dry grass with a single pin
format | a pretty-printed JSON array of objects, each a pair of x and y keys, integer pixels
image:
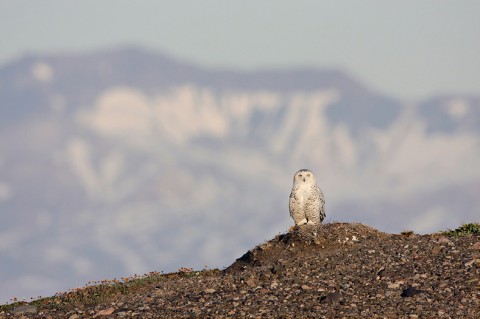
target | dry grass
[{"x": 101, "y": 292}]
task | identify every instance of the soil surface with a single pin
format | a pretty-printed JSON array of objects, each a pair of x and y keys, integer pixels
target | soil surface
[{"x": 334, "y": 270}]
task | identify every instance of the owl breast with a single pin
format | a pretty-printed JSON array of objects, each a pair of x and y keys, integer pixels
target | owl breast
[
  {"x": 299, "y": 202},
  {"x": 306, "y": 205}
]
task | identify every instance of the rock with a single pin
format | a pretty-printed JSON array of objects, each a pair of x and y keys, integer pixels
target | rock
[
  {"x": 393, "y": 286},
  {"x": 386, "y": 273},
  {"x": 437, "y": 250},
  {"x": 476, "y": 246},
  {"x": 444, "y": 240},
  {"x": 471, "y": 262},
  {"x": 74, "y": 316},
  {"x": 24, "y": 309},
  {"x": 333, "y": 297},
  {"x": 251, "y": 282},
  {"x": 411, "y": 291},
  {"x": 105, "y": 312},
  {"x": 209, "y": 291},
  {"x": 306, "y": 287}
]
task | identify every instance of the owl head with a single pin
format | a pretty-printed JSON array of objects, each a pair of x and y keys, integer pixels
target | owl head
[{"x": 304, "y": 176}]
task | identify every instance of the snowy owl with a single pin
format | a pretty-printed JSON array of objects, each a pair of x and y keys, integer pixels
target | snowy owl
[{"x": 306, "y": 199}]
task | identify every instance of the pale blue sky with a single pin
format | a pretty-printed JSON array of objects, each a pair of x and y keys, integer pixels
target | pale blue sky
[{"x": 407, "y": 48}]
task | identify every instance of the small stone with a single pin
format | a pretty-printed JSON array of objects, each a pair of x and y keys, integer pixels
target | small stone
[
  {"x": 209, "y": 291},
  {"x": 386, "y": 273},
  {"x": 74, "y": 316},
  {"x": 393, "y": 286},
  {"x": 471, "y": 262},
  {"x": 250, "y": 281},
  {"x": 104, "y": 312},
  {"x": 332, "y": 297},
  {"x": 476, "y": 246},
  {"x": 436, "y": 250},
  {"x": 411, "y": 291},
  {"x": 306, "y": 287},
  {"x": 443, "y": 240},
  {"x": 24, "y": 309}
]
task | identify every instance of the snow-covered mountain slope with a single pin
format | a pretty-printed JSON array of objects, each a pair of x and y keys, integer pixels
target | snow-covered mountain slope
[{"x": 124, "y": 161}]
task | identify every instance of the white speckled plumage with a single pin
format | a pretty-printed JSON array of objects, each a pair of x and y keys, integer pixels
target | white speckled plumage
[{"x": 306, "y": 199}]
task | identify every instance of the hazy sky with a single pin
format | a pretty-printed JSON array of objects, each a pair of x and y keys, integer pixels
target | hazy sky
[{"x": 408, "y": 48}]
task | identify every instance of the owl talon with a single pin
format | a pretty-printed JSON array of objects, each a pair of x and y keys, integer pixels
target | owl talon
[{"x": 302, "y": 222}]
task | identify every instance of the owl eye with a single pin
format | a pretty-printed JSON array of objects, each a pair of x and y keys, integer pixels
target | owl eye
[
  {"x": 308, "y": 175},
  {"x": 299, "y": 175}
]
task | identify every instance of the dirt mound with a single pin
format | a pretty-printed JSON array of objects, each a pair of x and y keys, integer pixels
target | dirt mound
[
  {"x": 305, "y": 240},
  {"x": 331, "y": 271}
]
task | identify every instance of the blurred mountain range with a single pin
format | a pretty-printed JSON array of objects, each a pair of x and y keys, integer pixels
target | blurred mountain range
[{"x": 126, "y": 161}]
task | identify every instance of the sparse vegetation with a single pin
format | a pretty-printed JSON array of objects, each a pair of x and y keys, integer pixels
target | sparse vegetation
[
  {"x": 93, "y": 293},
  {"x": 464, "y": 230},
  {"x": 98, "y": 292}
]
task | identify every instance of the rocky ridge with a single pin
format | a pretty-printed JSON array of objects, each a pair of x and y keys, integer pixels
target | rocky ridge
[{"x": 337, "y": 270}]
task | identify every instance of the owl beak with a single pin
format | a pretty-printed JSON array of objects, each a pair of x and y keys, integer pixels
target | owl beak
[{"x": 304, "y": 179}]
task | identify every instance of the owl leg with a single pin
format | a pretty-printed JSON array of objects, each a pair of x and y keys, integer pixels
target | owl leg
[
  {"x": 310, "y": 222},
  {"x": 302, "y": 222}
]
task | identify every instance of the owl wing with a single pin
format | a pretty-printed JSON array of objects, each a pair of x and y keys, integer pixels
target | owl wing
[
  {"x": 316, "y": 203},
  {"x": 296, "y": 211}
]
